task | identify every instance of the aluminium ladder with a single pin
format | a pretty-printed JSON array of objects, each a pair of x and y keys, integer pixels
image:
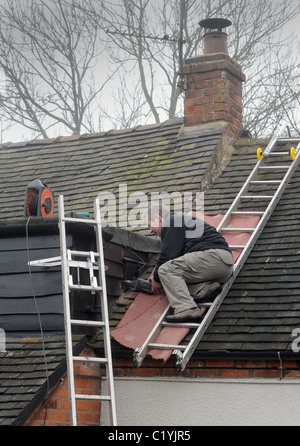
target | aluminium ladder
[
  {"x": 184, "y": 352},
  {"x": 97, "y": 285},
  {"x": 89, "y": 263}
]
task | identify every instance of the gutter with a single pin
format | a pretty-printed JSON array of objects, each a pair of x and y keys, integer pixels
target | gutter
[{"x": 118, "y": 353}]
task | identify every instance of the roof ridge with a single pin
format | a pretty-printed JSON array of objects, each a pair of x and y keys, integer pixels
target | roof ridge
[{"x": 85, "y": 136}]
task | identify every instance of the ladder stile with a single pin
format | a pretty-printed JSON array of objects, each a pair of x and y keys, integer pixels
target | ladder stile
[
  {"x": 105, "y": 315},
  {"x": 67, "y": 313},
  {"x": 140, "y": 353}
]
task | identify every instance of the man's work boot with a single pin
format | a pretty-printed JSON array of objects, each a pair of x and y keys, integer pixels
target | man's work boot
[
  {"x": 185, "y": 316},
  {"x": 208, "y": 293}
]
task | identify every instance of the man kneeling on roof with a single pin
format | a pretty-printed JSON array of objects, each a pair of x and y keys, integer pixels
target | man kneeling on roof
[{"x": 194, "y": 261}]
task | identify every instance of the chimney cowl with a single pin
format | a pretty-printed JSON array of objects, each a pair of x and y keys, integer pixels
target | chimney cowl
[
  {"x": 215, "y": 24},
  {"x": 215, "y": 40}
]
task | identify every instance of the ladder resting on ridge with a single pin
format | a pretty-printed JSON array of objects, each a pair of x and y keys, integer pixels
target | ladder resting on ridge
[{"x": 240, "y": 207}]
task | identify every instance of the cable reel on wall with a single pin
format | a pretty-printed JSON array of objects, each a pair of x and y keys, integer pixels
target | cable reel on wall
[{"x": 39, "y": 200}]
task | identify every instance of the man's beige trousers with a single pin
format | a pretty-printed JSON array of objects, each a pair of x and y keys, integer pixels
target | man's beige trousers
[{"x": 184, "y": 276}]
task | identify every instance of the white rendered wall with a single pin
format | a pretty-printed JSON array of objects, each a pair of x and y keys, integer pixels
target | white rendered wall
[{"x": 198, "y": 402}]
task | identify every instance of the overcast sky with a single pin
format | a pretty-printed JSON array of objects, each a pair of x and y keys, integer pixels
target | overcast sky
[{"x": 17, "y": 133}]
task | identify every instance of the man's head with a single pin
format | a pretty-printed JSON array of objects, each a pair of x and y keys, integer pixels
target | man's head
[{"x": 155, "y": 217}]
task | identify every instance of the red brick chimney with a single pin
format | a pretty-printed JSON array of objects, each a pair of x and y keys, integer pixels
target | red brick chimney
[{"x": 214, "y": 82}]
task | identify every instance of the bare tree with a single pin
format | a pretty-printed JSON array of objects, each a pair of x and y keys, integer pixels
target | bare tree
[
  {"x": 128, "y": 106},
  {"x": 48, "y": 51},
  {"x": 146, "y": 34},
  {"x": 269, "y": 59},
  {"x": 275, "y": 98},
  {"x": 54, "y": 55}
]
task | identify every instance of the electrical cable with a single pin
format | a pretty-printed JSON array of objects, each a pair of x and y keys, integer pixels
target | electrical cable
[
  {"x": 39, "y": 317},
  {"x": 127, "y": 247}
]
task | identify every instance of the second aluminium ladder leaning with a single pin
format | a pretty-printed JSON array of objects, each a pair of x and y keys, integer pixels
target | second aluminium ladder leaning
[
  {"x": 97, "y": 285},
  {"x": 284, "y": 174}
]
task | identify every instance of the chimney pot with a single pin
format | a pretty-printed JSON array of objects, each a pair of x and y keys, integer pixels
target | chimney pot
[{"x": 215, "y": 40}]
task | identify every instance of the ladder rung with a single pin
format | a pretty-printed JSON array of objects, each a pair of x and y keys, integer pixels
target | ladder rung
[
  {"x": 89, "y": 359},
  {"x": 180, "y": 324},
  {"x": 87, "y": 323},
  {"x": 79, "y": 220},
  {"x": 255, "y": 197},
  {"x": 237, "y": 246},
  {"x": 93, "y": 397},
  {"x": 249, "y": 213},
  {"x": 291, "y": 140},
  {"x": 167, "y": 346},
  {"x": 85, "y": 287},
  {"x": 84, "y": 264},
  {"x": 274, "y": 167},
  {"x": 279, "y": 153},
  {"x": 238, "y": 229},
  {"x": 266, "y": 182},
  {"x": 83, "y": 253}
]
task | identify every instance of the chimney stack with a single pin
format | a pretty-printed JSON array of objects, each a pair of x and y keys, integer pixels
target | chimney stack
[{"x": 214, "y": 82}]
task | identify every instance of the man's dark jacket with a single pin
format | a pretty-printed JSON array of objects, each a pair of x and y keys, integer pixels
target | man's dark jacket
[{"x": 182, "y": 234}]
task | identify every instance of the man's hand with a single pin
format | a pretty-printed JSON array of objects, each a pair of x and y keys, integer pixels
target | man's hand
[{"x": 156, "y": 286}]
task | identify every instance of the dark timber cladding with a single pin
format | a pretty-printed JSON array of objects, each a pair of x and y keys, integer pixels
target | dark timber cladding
[
  {"x": 27, "y": 291},
  {"x": 19, "y": 288},
  {"x": 18, "y": 311}
]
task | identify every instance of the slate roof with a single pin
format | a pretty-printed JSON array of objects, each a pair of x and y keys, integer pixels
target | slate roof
[
  {"x": 24, "y": 375},
  {"x": 147, "y": 158},
  {"x": 262, "y": 308}
]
